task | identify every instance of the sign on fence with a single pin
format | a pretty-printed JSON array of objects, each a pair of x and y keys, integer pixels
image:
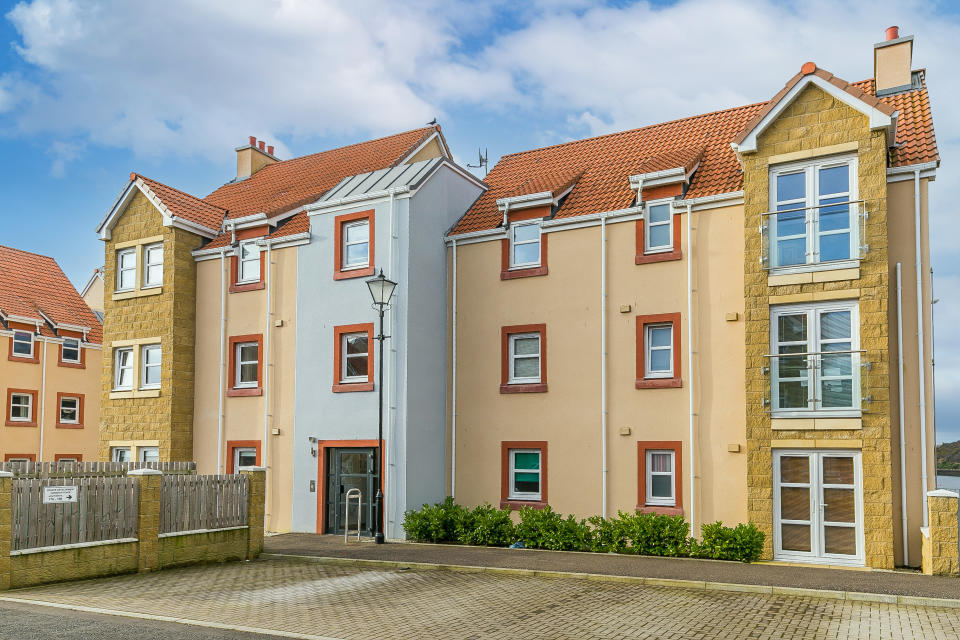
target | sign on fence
[{"x": 59, "y": 495}]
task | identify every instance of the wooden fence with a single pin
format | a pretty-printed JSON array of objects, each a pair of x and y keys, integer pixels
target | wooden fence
[
  {"x": 194, "y": 503},
  {"x": 106, "y": 509},
  {"x": 91, "y": 469}
]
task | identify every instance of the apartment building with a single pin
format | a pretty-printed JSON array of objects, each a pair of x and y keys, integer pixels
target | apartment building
[
  {"x": 225, "y": 316},
  {"x": 50, "y": 348},
  {"x": 732, "y": 321}
]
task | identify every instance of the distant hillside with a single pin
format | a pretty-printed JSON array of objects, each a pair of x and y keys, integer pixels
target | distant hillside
[{"x": 948, "y": 455}]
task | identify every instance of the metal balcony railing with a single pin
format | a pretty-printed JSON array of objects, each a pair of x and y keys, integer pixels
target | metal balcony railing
[
  {"x": 823, "y": 383},
  {"x": 814, "y": 233}
]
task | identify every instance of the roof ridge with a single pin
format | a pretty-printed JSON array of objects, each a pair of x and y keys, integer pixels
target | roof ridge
[
  {"x": 347, "y": 146},
  {"x": 32, "y": 253}
]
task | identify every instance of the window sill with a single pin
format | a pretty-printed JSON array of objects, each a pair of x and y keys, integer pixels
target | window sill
[
  {"x": 818, "y": 423},
  {"x": 348, "y": 387},
  {"x": 34, "y": 359},
  {"x": 71, "y": 365},
  {"x": 353, "y": 273},
  {"x": 246, "y": 286},
  {"x": 662, "y": 510},
  {"x": 244, "y": 391},
  {"x": 666, "y": 256},
  {"x": 835, "y": 273},
  {"x": 659, "y": 383},
  {"x": 20, "y": 423},
  {"x": 137, "y": 293},
  {"x": 815, "y": 415},
  {"x": 517, "y": 504},
  {"x": 147, "y": 393},
  {"x": 511, "y": 274},
  {"x": 538, "y": 387},
  {"x": 68, "y": 425}
]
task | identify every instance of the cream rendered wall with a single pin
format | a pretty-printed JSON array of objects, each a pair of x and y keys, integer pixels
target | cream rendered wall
[
  {"x": 19, "y": 375},
  {"x": 567, "y": 416},
  {"x": 94, "y": 294},
  {"x": 244, "y": 416}
]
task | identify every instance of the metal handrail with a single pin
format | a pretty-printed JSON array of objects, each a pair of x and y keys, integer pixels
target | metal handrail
[
  {"x": 814, "y": 206},
  {"x": 346, "y": 515}
]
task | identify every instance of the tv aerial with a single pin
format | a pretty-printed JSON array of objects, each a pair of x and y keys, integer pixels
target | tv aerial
[{"x": 483, "y": 161}]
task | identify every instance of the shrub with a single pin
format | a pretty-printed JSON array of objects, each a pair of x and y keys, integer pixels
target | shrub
[
  {"x": 608, "y": 535},
  {"x": 652, "y": 534},
  {"x": 489, "y": 526},
  {"x": 547, "y": 529},
  {"x": 743, "y": 542},
  {"x": 441, "y": 522}
]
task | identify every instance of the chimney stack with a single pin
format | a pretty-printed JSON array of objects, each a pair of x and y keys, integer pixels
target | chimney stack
[
  {"x": 892, "y": 62},
  {"x": 253, "y": 157}
]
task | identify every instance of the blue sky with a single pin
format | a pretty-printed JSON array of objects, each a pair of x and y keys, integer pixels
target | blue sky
[{"x": 92, "y": 91}]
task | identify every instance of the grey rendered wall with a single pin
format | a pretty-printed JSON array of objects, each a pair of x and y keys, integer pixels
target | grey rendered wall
[{"x": 435, "y": 208}]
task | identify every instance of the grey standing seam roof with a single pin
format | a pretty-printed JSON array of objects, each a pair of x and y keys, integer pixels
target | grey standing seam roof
[{"x": 405, "y": 175}]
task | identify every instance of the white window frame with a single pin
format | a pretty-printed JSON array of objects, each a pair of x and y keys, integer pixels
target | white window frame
[
  {"x": 19, "y": 333},
  {"x": 524, "y": 495},
  {"x": 72, "y": 461},
  {"x": 75, "y": 409},
  {"x": 237, "y": 452},
  {"x": 648, "y": 348},
  {"x": 650, "y": 499},
  {"x": 812, "y": 234},
  {"x": 130, "y": 269},
  {"x": 344, "y": 357},
  {"x": 63, "y": 351},
  {"x": 814, "y": 343},
  {"x": 28, "y": 404},
  {"x": 348, "y": 266},
  {"x": 237, "y": 382},
  {"x": 647, "y": 224},
  {"x": 513, "y": 356},
  {"x": 20, "y": 460},
  {"x": 514, "y": 243},
  {"x": 144, "y": 365},
  {"x": 150, "y": 260},
  {"x": 243, "y": 262},
  {"x": 114, "y": 454},
  {"x": 117, "y": 369},
  {"x": 142, "y": 453}
]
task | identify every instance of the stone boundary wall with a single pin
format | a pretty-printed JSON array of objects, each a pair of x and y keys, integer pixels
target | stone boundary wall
[
  {"x": 940, "y": 544},
  {"x": 148, "y": 552}
]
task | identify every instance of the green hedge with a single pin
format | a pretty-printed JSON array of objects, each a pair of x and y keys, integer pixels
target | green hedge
[{"x": 645, "y": 534}]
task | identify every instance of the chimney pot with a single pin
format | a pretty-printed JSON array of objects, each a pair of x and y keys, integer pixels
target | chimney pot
[
  {"x": 260, "y": 145},
  {"x": 270, "y": 149},
  {"x": 253, "y": 141},
  {"x": 892, "y": 33}
]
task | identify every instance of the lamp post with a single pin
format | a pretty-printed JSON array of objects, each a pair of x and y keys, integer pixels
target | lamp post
[{"x": 381, "y": 290}]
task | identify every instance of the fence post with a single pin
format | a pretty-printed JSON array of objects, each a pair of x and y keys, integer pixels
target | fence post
[
  {"x": 942, "y": 549},
  {"x": 6, "y": 527},
  {"x": 148, "y": 518},
  {"x": 256, "y": 495}
]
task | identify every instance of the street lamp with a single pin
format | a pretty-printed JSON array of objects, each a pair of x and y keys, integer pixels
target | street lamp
[{"x": 381, "y": 290}]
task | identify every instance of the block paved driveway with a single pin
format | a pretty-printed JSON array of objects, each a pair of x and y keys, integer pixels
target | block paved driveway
[{"x": 315, "y": 599}]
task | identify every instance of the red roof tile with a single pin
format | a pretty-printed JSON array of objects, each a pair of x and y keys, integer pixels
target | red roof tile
[
  {"x": 285, "y": 185},
  {"x": 184, "y": 205},
  {"x": 31, "y": 284},
  {"x": 607, "y": 161}
]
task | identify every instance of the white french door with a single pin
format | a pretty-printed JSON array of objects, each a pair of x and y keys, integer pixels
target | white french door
[{"x": 818, "y": 506}]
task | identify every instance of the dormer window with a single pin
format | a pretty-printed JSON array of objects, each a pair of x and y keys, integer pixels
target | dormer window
[
  {"x": 524, "y": 245},
  {"x": 23, "y": 344},
  {"x": 248, "y": 269},
  {"x": 658, "y": 228}
]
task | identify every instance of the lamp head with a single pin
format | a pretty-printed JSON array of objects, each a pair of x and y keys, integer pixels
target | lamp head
[{"x": 381, "y": 289}]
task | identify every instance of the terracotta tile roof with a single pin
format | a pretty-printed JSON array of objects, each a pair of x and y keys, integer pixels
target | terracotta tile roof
[
  {"x": 285, "y": 185},
  {"x": 607, "y": 161},
  {"x": 684, "y": 157},
  {"x": 31, "y": 284},
  {"x": 554, "y": 182},
  {"x": 298, "y": 223},
  {"x": 184, "y": 205}
]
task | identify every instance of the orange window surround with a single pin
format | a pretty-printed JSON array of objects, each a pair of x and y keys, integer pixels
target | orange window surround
[
  {"x": 57, "y": 457},
  {"x": 505, "y": 272},
  {"x": 35, "y": 359},
  {"x": 232, "y": 389},
  {"x": 83, "y": 353},
  {"x": 505, "y": 333},
  {"x": 241, "y": 444},
  {"x": 505, "y": 447},
  {"x": 663, "y": 256},
  {"x": 660, "y": 445},
  {"x": 32, "y": 457},
  {"x": 338, "y": 355},
  {"x": 644, "y": 382},
  {"x": 339, "y": 273},
  {"x": 80, "y": 401},
  {"x": 34, "y": 409},
  {"x": 246, "y": 234}
]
